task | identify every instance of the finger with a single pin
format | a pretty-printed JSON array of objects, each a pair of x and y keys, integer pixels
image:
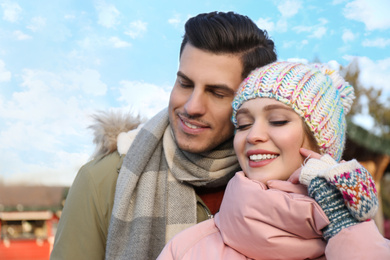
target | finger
[
  {"x": 306, "y": 152},
  {"x": 294, "y": 178}
]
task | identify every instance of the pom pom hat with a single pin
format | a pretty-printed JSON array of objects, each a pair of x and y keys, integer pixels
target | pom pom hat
[{"x": 315, "y": 92}]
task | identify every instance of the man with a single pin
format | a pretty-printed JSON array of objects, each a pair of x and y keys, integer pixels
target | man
[{"x": 175, "y": 171}]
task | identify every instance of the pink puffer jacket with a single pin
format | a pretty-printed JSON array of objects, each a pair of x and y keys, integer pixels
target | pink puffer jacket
[{"x": 281, "y": 222}]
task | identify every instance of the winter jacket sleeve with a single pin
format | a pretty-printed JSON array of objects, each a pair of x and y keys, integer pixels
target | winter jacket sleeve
[
  {"x": 361, "y": 241},
  {"x": 83, "y": 226},
  {"x": 356, "y": 188}
]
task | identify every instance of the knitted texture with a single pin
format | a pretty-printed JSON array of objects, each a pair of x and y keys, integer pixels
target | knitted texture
[
  {"x": 317, "y": 93},
  {"x": 332, "y": 203},
  {"x": 155, "y": 197},
  {"x": 351, "y": 179}
]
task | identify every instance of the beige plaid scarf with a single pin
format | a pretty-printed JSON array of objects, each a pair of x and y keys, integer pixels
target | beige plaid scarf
[{"x": 155, "y": 198}]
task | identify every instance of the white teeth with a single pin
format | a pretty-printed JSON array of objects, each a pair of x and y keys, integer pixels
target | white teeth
[
  {"x": 191, "y": 126},
  {"x": 260, "y": 157}
]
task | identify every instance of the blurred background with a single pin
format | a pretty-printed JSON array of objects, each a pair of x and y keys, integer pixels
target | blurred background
[{"x": 62, "y": 61}]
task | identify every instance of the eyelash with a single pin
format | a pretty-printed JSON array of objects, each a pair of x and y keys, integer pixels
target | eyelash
[
  {"x": 217, "y": 95},
  {"x": 220, "y": 96},
  {"x": 243, "y": 127},
  {"x": 274, "y": 123},
  {"x": 279, "y": 123},
  {"x": 185, "y": 85}
]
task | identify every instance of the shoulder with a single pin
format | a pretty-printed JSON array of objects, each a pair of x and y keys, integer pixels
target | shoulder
[
  {"x": 99, "y": 166},
  {"x": 96, "y": 180},
  {"x": 94, "y": 186}
]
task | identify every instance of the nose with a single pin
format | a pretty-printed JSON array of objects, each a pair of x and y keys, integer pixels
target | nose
[
  {"x": 196, "y": 104},
  {"x": 257, "y": 134}
]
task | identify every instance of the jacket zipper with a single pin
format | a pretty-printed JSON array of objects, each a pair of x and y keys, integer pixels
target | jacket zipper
[{"x": 208, "y": 212}]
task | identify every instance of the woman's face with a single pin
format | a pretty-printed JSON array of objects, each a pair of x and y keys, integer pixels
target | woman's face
[{"x": 268, "y": 138}]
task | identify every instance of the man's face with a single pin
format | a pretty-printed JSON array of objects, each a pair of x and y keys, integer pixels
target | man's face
[{"x": 200, "y": 102}]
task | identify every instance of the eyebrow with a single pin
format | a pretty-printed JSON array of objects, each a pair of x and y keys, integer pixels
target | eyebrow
[
  {"x": 266, "y": 108},
  {"x": 182, "y": 75},
  {"x": 242, "y": 111},
  {"x": 277, "y": 106},
  {"x": 222, "y": 87}
]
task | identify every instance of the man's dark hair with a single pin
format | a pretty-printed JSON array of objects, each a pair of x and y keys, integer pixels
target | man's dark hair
[{"x": 230, "y": 33}]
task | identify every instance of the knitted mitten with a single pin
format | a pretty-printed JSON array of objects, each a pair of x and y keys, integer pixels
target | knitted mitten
[
  {"x": 332, "y": 203},
  {"x": 352, "y": 180}
]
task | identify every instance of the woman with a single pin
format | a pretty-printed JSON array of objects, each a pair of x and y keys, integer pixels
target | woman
[{"x": 284, "y": 112}]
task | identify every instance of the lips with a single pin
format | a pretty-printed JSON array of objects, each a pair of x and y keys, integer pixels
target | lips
[{"x": 192, "y": 126}]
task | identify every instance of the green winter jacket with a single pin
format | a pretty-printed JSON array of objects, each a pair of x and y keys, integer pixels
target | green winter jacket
[{"x": 83, "y": 227}]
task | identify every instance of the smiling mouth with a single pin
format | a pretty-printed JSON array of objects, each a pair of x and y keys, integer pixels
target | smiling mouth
[
  {"x": 262, "y": 157},
  {"x": 191, "y": 125}
]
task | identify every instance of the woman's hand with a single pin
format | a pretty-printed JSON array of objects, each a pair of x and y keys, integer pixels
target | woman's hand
[{"x": 306, "y": 154}]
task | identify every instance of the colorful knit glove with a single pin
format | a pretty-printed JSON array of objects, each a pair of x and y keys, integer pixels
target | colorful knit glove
[
  {"x": 332, "y": 203},
  {"x": 352, "y": 180}
]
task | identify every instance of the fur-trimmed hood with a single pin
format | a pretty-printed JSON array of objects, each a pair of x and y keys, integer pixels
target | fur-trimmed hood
[{"x": 114, "y": 131}]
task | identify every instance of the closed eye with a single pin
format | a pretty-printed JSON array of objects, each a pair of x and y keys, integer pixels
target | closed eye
[
  {"x": 184, "y": 81},
  {"x": 217, "y": 94},
  {"x": 279, "y": 123},
  {"x": 243, "y": 127},
  {"x": 183, "y": 85}
]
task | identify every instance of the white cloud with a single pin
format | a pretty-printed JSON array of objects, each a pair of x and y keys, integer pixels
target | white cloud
[
  {"x": 378, "y": 42},
  {"x": 96, "y": 42},
  {"x": 21, "y": 36},
  {"x": 87, "y": 80},
  {"x": 336, "y": 2},
  {"x": 334, "y": 65},
  {"x": 43, "y": 92},
  {"x": 373, "y": 13},
  {"x": 295, "y": 44},
  {"x": 319, "y": 32},
  {"x": 265, "y": 24},
  {"x": 11, "y": 11},
  {"x": 289, "y": 8},
  {"x": 315, "y": 31},
  {"x": 175, "y": 21},
  {"x": 364, "y": 120},
  {"x": 69, "y": 16},
  {"x": 281, "y": 25},
  {"x": 288, "y": 44},
  {"x": 136, "y": 29},
  {"x": 374, "y": 73},
  {"x": 34, "y": 143},
  {"x": 107, "y": 14},
  {"x": 118, "y": 43},
  {"x": 37, "y": 23},
  {"x": 144, "y": 98},
  {"x": 348, "y": 36},
  {"x": 5, "y": 75},
  {"x": 88, "y": 42}
]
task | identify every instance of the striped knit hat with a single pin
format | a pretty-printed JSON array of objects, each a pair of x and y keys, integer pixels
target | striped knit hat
[{"x": 316, "y": 92}]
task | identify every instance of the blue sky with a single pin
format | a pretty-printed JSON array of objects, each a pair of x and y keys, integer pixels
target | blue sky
[{"x": 61, "y": 61}]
